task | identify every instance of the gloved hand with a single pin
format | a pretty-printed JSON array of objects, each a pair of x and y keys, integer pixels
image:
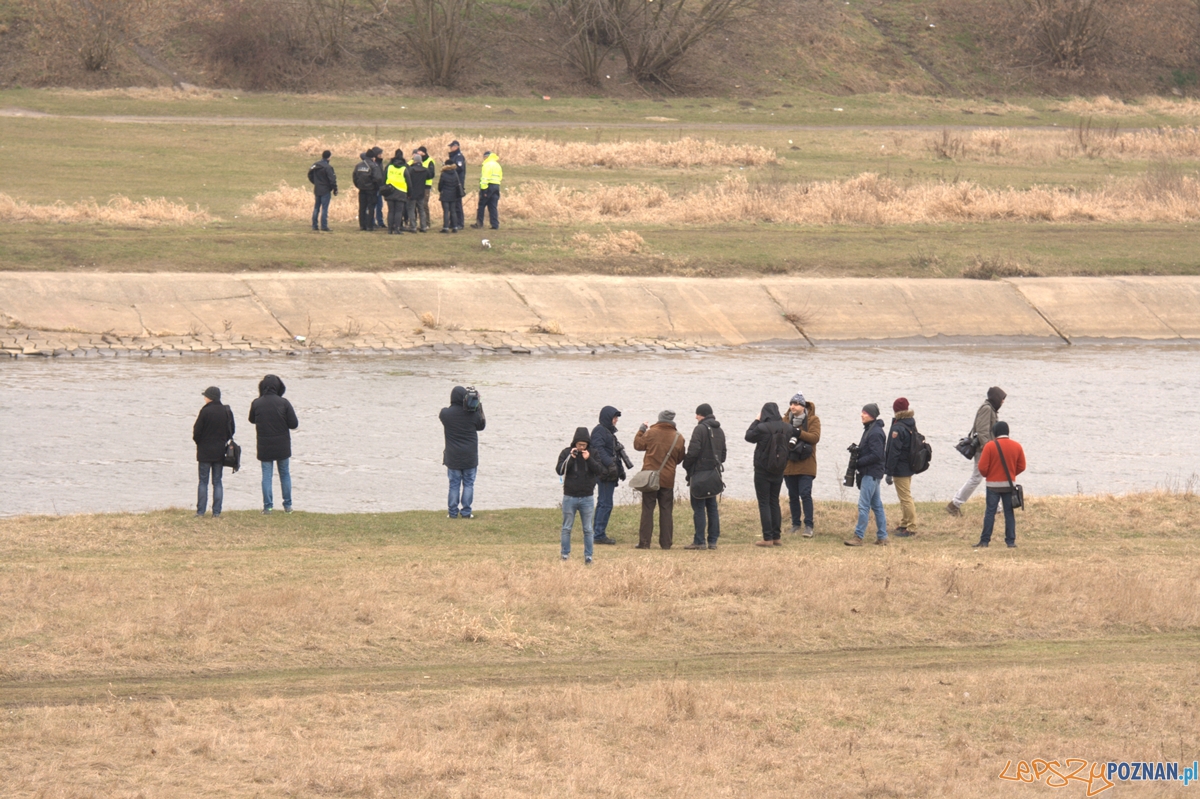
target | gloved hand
[
  {"x": 643, "y": 428},
  {"x": 889, "y": 479},
  {"x": 335, "y": 192}
]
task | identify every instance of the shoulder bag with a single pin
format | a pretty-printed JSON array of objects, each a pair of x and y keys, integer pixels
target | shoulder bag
[
  {"x": 1018, "y": 492},
  {"x": 648, "y": 481},
  {"x": 233, "y": 452},
  {"x": 707, "y": 483},
  {"x": 968, "y": 445}
]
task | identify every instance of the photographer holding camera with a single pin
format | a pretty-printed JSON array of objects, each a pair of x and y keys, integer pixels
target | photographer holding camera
[
  {"x": 867, "y": 460},
  {"x": 462, "y": 421},
  {"x": 613, "y": 463},
  {"x": 579, "y": 471}
]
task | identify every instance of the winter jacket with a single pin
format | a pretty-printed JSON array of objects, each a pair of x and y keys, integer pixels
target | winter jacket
[
  {"x": 460, "y": 161},
  {"x": 993, "y": 470},
  {"x": 273, "y": 418},
  {"x": 323, "y": 178},
  {"x": 663, "y": 445},
  {"x": 871, "y": 450},
  {"x": 762, "y": 429},
  {"x": 449, "y": 186},
  {"x": 579, "y": 473},
  {"x": 985, "y": 419},
  {"x": 395, "y": 177},
  {"x": 604, "y": 445},
  {"x": 490, "y": 173},
  {"x": 461, "y": 428},
  {"x": 810, "y": 432},
  {"x": 368, "y": 174},
  {"x": 698, "y": 456},
  {"x": 212, "y": 430},
  {"x": 415, "y": 175},
  {"x": 899, "y": 445}
]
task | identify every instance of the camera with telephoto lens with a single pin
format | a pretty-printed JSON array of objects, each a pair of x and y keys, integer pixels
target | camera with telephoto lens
[
  {"x": 852, "y": 469},
  {"x": 471, "y": 400},
  {"x": 620, "y": 449}
]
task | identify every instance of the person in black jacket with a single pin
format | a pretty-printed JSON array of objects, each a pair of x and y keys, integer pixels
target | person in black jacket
[
  {"x": 274, "y": 418},
  {"x": 607, "y": 450},
  {"x": 368, "y": 179},
  {"x": 450, "y": 191},
  {"x": 898, "y": 465},
  {"x": 705, "y": 452},
  {"x": 871, "y": 453},
  {"x": 579, "y": 471},
  {"x": 418, "y": 200},
  {"x": 324, "y": 181},
  {"x": 767, "y": 433},
  {"x": 211, "y": 432},
  {"x": 461, "y": 457},
  {"x": 460, "y": 161}
]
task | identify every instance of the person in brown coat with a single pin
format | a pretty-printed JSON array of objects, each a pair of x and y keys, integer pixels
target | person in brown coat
[
  {"x": 664, "y": 446},
  {"x": 799, "y": 473}
]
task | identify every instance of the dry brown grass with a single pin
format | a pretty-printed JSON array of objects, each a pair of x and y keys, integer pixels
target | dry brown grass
[
  {"x": 682, "y": 153},
  {"x": 119, "y": 210},
  {"x": 609, "y": 245},
  {"x": 403, "y": 656}
]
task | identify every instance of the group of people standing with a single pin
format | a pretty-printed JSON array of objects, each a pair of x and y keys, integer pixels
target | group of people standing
[{"x": 405, "y": 184}]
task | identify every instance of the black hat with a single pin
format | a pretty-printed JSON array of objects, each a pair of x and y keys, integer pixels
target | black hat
[
  {"x": 376, "y": 151},
  {"x": 1000, "y": 429},
  {"x": 704, "y": 409},
  {"x": 453, "y": 143},
  {"x": 422, "y": 149},
  {"x": 213, "y": 393}
]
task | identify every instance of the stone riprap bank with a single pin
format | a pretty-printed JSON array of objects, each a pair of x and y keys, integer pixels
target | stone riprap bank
[{"x": 101, "y": 314}]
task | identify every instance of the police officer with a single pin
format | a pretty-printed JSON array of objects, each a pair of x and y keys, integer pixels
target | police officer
[{"x": 460, "y": 162}]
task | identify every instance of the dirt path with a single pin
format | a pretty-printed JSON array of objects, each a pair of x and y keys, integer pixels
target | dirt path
[{"x": 757, "y": 666}]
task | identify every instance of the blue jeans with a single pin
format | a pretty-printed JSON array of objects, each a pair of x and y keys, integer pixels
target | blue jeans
[
  {"x": 321, "y": 208},
  {"x": 587, "y": 511},
  {"x": 462, "y": 488},
  {"x": 378, "y": 210},
  {"x": 215, "y": 470},
  {"x": 995, "y": 498},
  {"x": 800, "y": 494},
  {"x": 285, "y": 483},
  {"x": 870, "y": 498},
  {"x": 604, "y": 506},
  {"x": 706, "y": 510}
]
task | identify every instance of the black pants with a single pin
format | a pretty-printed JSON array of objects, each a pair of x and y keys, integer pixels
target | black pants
[
  {"x": 766, "y": 488},
  {"x": 489, "y": 198},
  {"x": 457, "y": 221},
  {"x": 395, "y": 217},
  {"x": 665, "y": 499},
  {"x": 366, "y": 209},
  {"x": 706, "y": 510},
  {"x": 448, "y": 216},
  {"x": 800, "y": 498}
]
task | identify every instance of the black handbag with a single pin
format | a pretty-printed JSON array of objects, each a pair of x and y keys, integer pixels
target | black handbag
[
  {"x": 233, "y": 452},
  {"x": 1018, "y": 492},
  {"x": 705, "y": 483},
  {"x": 968, "y": 445}
]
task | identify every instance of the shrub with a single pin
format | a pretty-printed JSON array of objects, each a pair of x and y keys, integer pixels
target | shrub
[
  {"x": 1067, "y": 32},
  {"x": 94, "y": 30}
]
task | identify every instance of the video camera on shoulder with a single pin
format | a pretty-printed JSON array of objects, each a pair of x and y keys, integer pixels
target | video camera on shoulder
[{"x": 471, "y": 399}]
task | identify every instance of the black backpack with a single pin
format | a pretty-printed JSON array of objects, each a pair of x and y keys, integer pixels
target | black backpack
[
  {"x": 919, "y": 453},
  {"x": 312, "y": 170},
  {"x": 777, "y": 452}
]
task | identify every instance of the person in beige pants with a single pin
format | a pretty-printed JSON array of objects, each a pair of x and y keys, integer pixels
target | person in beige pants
[{"x": 896, "y": 465}]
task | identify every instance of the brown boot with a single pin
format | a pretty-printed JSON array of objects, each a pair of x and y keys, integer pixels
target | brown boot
[{"x": 952, "y": 509}]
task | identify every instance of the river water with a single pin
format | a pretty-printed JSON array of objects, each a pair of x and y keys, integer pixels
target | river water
[{"x": 115, "y": 435}]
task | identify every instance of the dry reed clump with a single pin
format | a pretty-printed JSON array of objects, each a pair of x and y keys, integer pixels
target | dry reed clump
[
  {"x": 119, "y": 210},
  {"x": 293, "y": 202},
  {"x": 1013, "y": 145},
  {"x": 623, "y": 242},
  {"x": 145, "y": 93},
  {"x": 522, "y": 151}
]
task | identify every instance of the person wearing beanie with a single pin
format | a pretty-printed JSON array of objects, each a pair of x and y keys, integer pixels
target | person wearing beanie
[
  {"x": 450, "y": 192},
  {"x": 416, "y": 176},
  {"x": 664, "y": 449},
  {"x": 703, "y": 464},
  {"x": 460, "y": 163},
  {"x": 613, "y": 460},
  {"x": 898, "y": 465},
  {"x": 212, "y": 431},
  {"x": 1001, "y": 460},
  {"x": 368, "y": 179},
  {"x": 395, "y": 192},
  {"x": 769, "y": 434},
  {"x": 871, "y": 452},
  {"x": 324, "y": 181},
  {"x": 490, "y": 176},
  {"x": 981, "y": 431},
  {"x": 579, "y": 471},
  {"x": 801, "y": 469}
]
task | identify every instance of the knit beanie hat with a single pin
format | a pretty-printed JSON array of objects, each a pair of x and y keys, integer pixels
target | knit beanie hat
[
  {"x": 1000, "y": 429},
  {"x": 704, "y": 409},
  {"x": 213, "y": 393},
  {"x": 797, "y": 399},
  {"x": 666, "y": 416},
  {"x": 900, "y": 404},
  {"x": 872, "y": 410}
]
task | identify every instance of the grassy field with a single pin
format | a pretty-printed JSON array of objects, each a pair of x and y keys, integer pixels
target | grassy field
[
  {"x": 411, "y": 655},
  {"x": 884, "y": 186}
]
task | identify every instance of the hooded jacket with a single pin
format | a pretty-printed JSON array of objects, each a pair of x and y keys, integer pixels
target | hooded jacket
[
  {"x": 449, "y": 185},
  {"x": 604, "y": 444},
  {"x": 768, "y": 423},
  {"x": 323, "y": 178},
  {"x": 579, "y": 473},
  {"x": 810, "y": 432},
  {"x": 699, "y": 456},
  {"x": 899, "y": 445},
  {"x": 490, "y": 173},
  {"x": 871, "y": 450},
  {"x": 368, "y": 174},
  {"x": 461, "y": 429},
  {"x": 213, "y": 428},
  {"x": 415, "y": 175},
  {"x": 396, "y": 177},
  {"x": 663, "y": 446},
  {"x": 986, "y": 418},
  {"x": 273, "y": 418}
]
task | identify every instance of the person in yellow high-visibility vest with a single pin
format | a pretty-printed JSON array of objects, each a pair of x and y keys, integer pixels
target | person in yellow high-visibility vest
[
  {"x": 490, "y": 175},
  {"x": 398, "y": 196}
]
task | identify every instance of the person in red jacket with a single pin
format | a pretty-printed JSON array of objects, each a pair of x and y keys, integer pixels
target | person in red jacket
[{"x": 999, "y": 483}]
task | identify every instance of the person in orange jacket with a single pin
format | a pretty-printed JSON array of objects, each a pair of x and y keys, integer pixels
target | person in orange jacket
[{"x": 999, "y": 483}]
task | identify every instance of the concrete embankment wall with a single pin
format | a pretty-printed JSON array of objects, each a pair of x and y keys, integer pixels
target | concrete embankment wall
[{"x": 57, "y": 313}]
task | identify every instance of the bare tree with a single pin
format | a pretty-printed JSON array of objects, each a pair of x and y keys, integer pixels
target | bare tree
[
  {"x": 437, "y": 31},
  {"x": 1066, "y": 31},
  {"x": 93, "y": 29},
  {"x": 328, "y": 20},
  {"x": 588, "y": 34}
]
